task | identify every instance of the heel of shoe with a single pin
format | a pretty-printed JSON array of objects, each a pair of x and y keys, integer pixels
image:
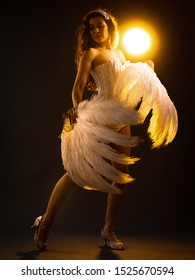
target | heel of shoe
[
  {"x": 40, "y": 243},
  {"x": 112, "y": 241}
]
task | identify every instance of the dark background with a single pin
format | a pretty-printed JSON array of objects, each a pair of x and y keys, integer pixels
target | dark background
[{"x": 37, "y": 48}]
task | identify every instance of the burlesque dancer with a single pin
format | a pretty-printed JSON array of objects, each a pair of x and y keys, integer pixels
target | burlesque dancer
[{"x": 96, "y": 137}]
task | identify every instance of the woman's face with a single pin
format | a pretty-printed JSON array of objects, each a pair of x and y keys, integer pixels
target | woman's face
[{"x": 98, "y": 30}]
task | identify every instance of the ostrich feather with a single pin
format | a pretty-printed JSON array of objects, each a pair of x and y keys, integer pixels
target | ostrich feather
[
  {"x": 86, "y": 153},
  {"x": 101, "y": 110},
  {"x": 139, "y": 83},
  {"x": 85, "y": 146}
]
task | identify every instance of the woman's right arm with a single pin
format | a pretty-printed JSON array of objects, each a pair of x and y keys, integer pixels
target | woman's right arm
[
  {"x": 83, "y": 72},
  {"x": 84, "y": 69}
]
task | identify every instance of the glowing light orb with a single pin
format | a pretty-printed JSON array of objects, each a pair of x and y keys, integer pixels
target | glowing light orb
[{"x": 137, "y": 41}]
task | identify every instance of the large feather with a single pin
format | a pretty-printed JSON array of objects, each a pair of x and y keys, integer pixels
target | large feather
[
  {"x": 86, "y": 152},
  {"x": 138, "y": 83},
  {"x": 101, "y": 110},
  {"x": 87, "y": 156}
]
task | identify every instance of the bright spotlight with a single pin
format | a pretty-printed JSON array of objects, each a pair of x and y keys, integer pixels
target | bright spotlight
[{"x": 137, "y": 41}]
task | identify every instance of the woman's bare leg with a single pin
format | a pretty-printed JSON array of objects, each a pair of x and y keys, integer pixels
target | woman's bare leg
[
  {"x": 59, "y": 193},
  {"x": 114, "y": 201}
]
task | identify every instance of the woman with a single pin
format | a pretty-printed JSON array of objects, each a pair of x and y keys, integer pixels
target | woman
[{"x": 96, "y": 137}]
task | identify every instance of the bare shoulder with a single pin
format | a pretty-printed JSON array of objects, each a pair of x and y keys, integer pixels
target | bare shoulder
[{"x": 89, "y": 55}]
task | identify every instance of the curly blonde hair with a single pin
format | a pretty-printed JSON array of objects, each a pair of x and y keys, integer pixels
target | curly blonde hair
[{"x": 85, "y": 42}]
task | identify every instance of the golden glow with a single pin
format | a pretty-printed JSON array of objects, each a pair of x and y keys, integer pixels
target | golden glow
[{"x": 138, "y": 39}]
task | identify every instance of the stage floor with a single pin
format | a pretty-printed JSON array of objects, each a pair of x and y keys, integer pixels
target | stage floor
[{"x": 90, "y": 247}]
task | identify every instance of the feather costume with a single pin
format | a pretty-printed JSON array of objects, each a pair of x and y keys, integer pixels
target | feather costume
[{"x": 85, "y": 146}]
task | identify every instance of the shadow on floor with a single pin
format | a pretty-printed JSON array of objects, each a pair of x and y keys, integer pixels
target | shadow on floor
[{"x": 90, "y": 247}]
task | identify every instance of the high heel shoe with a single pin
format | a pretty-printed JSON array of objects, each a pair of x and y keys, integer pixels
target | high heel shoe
[
  {"x": 40, "y": 226},
  {"x": 112, "y": 241}
]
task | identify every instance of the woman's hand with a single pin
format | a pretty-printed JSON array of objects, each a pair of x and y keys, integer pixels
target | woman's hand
[
  {"x": 72, "y": 114},
  {"x": 150, "y": 63}
]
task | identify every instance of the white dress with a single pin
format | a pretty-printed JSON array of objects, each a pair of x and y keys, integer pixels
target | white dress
[{"x": 85, "y": 146}]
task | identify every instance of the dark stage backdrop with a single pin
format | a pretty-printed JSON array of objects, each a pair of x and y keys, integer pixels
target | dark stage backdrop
[{"x": 37, "y": 42}]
